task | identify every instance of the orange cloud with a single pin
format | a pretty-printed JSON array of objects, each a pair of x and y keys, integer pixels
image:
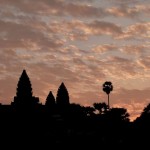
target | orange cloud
[
  {"x": 137, "y": 31},
  {"x": 129, "y": 11}
]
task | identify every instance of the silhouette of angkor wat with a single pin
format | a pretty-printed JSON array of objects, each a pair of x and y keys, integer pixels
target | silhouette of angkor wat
[{"x": 59, "y": 123}]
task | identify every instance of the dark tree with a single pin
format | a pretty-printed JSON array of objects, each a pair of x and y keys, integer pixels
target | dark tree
[
  {"x": 101, "y": 107},
  {"x": 146, "y": 110},
  {"x": 107, "y": 88},
  {"x": 62, "y": 98},
  {"x": 50, "y": 100},
  {"x": 118, "y": 114},
  {"x": 76, "y": 112},
  {"x": 144, "y": 118},
  {"x": 89, "y": 110},
  {"x": 24, "y": 91}
]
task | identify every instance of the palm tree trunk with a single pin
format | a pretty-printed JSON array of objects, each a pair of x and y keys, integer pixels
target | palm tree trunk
[{"x": 108, "y": 102}]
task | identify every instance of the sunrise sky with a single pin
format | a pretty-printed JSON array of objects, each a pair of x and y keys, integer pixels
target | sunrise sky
[{"x": 82, "y": 43}]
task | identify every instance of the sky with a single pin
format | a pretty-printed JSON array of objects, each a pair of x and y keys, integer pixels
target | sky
[{"x": 81, "y": 43}]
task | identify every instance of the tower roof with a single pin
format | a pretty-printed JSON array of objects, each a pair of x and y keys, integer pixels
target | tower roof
[{"x": 24, "y": 73}]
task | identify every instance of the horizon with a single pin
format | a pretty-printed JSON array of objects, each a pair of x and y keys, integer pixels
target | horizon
[
  {"x": 81, "y": 43},
  {"x": 44, "y": 102}
]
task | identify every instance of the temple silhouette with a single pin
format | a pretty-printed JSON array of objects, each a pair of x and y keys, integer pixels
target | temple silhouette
[
  {"x": 59, "y": 123},
  {"x": 24, "y": 96}
]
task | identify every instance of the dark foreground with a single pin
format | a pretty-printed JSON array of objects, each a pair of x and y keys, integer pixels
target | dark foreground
[{"x": 60, "y": 130}]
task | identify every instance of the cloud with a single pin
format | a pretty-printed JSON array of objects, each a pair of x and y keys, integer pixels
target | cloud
[
  {"x": 135, "y": 95},
  {"x": 145, "y": 62},
  {"x": 14, "y": 35},
  {"x": 104, "y": 48},
  {"x": 137, "y": 31},
  {"x": 99, "y": 27},
  {"x": 119, "y": 67},
  {"x": 8, "y": 90},
  {"x": 134, "y": 108},
  {"x": 136, "y": 50},
  {"x": 56, "y": 8},
  {"x": 129, "y": 11},
  {"x": 93, "y": 28},
  {"x": 134, "y": 100}
]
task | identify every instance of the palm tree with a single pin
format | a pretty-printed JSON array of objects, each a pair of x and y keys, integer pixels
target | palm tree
[{"x": 107, "y": 87}]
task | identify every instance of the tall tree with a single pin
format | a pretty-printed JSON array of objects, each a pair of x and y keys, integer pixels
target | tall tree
[
  {"x": 50, "y": 100},
  {"x": 107, "y": 88},
  {"x": 62, "y": 98}
]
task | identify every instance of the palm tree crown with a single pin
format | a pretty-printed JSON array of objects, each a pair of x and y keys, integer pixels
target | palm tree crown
[{"x": 107, "y": 87}]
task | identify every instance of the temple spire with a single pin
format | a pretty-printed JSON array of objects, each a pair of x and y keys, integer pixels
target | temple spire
[
  {"x": 24, "y": 92},
  {"x": 24, "y": 87},
  {"x": 62, "y": 98}
]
